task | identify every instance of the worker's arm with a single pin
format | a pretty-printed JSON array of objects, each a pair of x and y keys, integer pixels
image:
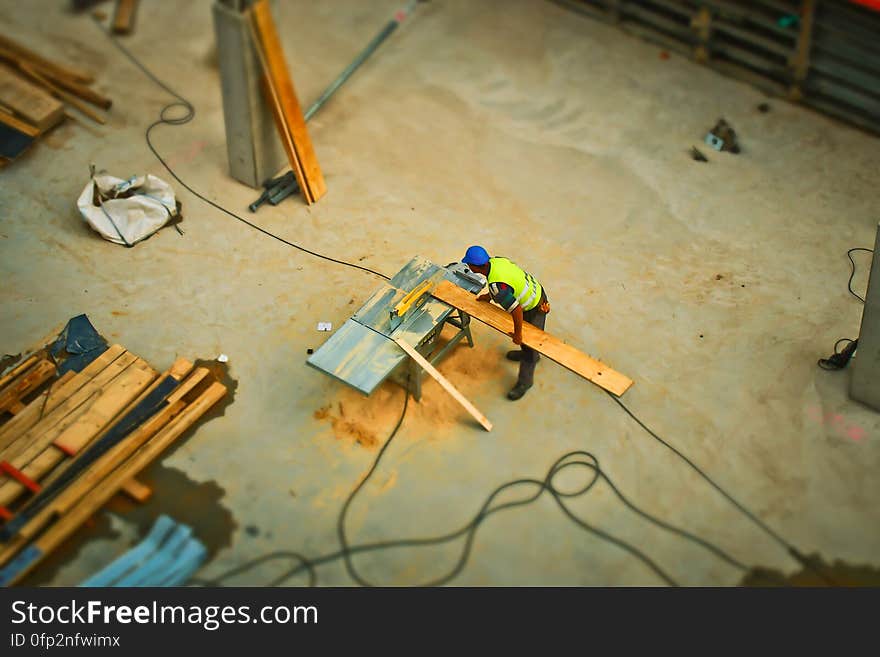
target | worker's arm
[
  {"x": 517, "y": 314},
  {"x": 502, "y": 294}
]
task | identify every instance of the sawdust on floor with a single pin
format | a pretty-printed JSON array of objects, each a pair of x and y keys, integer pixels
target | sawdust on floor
[{"x": 366, "y": 421}]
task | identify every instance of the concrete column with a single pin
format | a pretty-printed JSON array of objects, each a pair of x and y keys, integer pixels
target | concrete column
[
  {"x": 252, "y": 143},
  {"x": 865, "y": 381}
]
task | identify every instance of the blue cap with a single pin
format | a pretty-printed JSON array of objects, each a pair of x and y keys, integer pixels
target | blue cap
[{"x": 476, "y": 255}]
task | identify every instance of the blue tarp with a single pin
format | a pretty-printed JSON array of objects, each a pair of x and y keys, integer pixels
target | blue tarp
[{"x": 77, "y": 346}]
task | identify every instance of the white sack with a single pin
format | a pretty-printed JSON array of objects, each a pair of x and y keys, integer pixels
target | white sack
[{"x": 127, "y": 220}]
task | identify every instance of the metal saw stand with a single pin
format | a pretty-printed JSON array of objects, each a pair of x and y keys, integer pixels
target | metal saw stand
[{"x": 409, "y": 374}]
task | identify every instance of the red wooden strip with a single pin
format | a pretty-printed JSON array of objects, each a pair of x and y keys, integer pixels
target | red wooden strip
[{"x": 20, "y": 476}]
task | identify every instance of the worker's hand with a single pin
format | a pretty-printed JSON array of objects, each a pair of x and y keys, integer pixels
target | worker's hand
[
  {"x": 484, "y": 297},
  {"x": 517, "y": 339}
]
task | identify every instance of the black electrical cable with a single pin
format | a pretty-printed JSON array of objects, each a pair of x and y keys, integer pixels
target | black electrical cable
[
  {"x": 853, "y": 272},
  {"x": 470, "y": 528},
  {"x": 840, "y": 359},
  {"x": 791, "y": 549},
  {"x": 568, "y": 460},
  {"x": 189, "y": 113},
  {"x": 340, "y": 523}
]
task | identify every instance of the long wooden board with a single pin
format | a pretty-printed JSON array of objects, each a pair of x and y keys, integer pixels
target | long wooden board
[
  {"x": 284, "y": 104},
  {"x": 443, "y": 381},
  {"x": 556, "y": 350}
]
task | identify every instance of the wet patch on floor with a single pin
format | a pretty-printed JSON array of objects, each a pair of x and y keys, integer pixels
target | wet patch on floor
[
  {"x": 97, "y": 527},
  {"x": 221, "y": 373},
  {"x": 193, "y": 503},
  {"x": 8, "y": 360},
  {"x": 818, "y": 573}
]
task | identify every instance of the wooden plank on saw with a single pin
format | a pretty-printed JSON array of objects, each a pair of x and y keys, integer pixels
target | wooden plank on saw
[
  {"x": 443, "y": 381},
  {"x": 556, "y": 350},
  {"x": 57, "y": 533},
  {"x": 26, "y": 383},
  {"x": 66, "y": 413},
  {"x": 43, "y": 455},
  {"x": 31, "y": 103},
  {"x": 281, "y": 96},
  {"x": 58, "y": 392}
]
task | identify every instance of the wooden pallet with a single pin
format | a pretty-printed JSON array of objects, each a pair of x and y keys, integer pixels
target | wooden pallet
[{"x": 80, "y": 438}]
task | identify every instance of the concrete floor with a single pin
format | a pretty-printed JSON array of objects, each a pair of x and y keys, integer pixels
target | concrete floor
[{"x": 546, "y": 137}]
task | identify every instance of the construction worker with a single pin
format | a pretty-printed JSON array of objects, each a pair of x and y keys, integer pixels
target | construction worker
[{"x": 523, "y": 297}]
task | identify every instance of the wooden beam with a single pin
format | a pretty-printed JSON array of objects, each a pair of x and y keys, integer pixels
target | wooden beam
[
  {"x": 74, "y": 74},
  {"x": 58, "y": 92},
  {"x": 18, "y": 369},
  {"x": 28, "y": 101},
  {"x": 58, "y": 392},
  {"x": 137, "y": 491},
  {"x": 443, "y": 381},
  {"x": 66, "y": 413},
  {"x": 280, "y": 94},
  {"x": 8, "y": 119},
  {"x": 105, "y": 464},
  {"x": 50, "y": 448},
  {"x": 26, "y": 383},
  {"x": 76, "y": 88},
  {"x": 800, "y": 59},
  {"x": 123, "y": 19},
  {"x": 556, "y": 350}
]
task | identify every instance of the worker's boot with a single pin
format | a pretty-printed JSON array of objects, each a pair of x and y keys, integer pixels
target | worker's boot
[
  {"x": 518, "y": 390},
  {"x": 516, "y": 355}
]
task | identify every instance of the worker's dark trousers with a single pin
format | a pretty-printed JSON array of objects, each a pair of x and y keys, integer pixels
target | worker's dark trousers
[{"x": 529, "y": 358}]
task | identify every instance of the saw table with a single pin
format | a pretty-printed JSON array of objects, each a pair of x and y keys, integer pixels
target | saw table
[{"x": 363, "y": 352}]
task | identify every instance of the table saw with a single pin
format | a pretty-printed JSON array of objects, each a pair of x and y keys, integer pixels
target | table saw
[{"x": 363, "y": 354}]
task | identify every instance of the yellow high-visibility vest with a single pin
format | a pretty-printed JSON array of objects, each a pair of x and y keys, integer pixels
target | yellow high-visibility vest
[{"x": 526, "y": 289}]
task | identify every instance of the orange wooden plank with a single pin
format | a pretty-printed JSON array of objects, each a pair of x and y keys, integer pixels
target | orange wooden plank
[
  {"x": 123, "y": 19},
  {"x": 564, "y": 354},
  {"x": 285, "y": 105}
]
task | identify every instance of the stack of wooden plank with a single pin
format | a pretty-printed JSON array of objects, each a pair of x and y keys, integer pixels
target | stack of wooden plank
[
  {"x": 33, "y": 94},
  {"x": 69, "y": 443}
]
